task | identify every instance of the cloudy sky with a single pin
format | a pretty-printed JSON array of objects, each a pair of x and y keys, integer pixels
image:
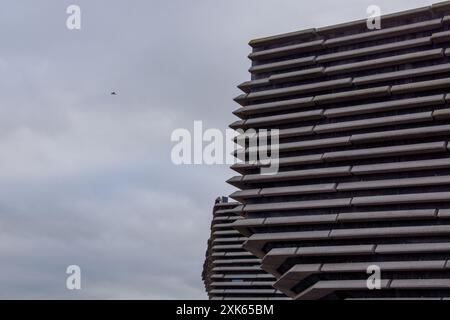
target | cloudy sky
[{"x": 85, "y": 177}]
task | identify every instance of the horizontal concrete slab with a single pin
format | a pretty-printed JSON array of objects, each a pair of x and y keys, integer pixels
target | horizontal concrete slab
[
  {"x": 409, "y": 73},
  {"x": 386, "y": 61},
  {"x": 374, "y": 122},
  {"x": 385, "y": 151},
  {"x": 421, "y": 86},
  {"x": 394, "y": 183},
  {"x": 347, "y": 54},
  {"x": 402, "y": 166},
  {"x": 352, "y": 95},
  {"x": 419, "y": 132},
  {"x": 286, "y": 50},
  {"x": 402, "y": 198},
  {"x": 282, "y": 65},
  {"x": 299, "y": 174},
  {"x": 437, "y": 100},
  {"x": 431, "y": 247}
]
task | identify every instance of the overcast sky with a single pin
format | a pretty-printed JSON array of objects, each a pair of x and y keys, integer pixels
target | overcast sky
[{"x": 86, "y": 177}]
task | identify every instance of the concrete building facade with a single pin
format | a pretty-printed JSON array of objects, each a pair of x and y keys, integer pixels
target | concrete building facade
[
  {"x": 364, "y": 175},
  {"x": 229, "y": 271}
]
